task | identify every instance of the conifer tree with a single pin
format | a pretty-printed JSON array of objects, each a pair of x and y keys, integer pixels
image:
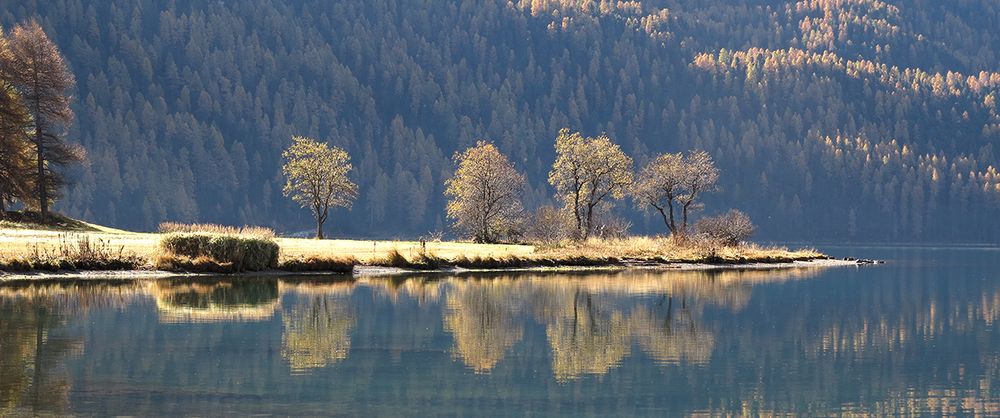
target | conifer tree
[
  {"x": 14, "y": 152},
  {"x": 39, "y": 72}
]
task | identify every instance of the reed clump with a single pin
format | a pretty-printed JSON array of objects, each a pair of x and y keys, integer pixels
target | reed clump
[
  {"x": 319, "y": 264},
  {"x": 423, "y": 260},
  {"x": 255, "y": 231},
  {"x": 205, "y": 252},
  {"x": 74, "y": 254}
]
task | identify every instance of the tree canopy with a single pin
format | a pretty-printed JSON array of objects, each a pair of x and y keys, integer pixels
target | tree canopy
[
  {"x": 588, "y": 172},
  {"x": 485, "y": 194},
  {"x": 316, "y": 178}
]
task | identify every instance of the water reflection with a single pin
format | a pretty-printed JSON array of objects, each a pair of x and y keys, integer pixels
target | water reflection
[
  {"x": 188, "y": 300},
  {"x": 752, "y": 342},
  {"x": 32, "y": 358},
  {"x": 316, "y": 333},
  {"x": 483, "y": 321}
]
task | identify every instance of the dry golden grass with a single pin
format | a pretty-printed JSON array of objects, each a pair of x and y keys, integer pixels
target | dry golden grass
[
  {"x": 21, "y": 243},
  {"x": 366, "y": 251},
  {"x": 668, "y": 249},
  {"x": 257, "y": 231}
]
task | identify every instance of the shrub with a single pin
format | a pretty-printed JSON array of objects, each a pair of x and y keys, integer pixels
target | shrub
[
  {"x": 611, "y": 227},
  {"x": 549, "y": 226},
  {"x": 245, "y": 253},
  {"x": 729, "y": 229}
]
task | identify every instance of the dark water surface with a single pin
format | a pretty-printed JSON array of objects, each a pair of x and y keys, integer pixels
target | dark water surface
[{"x": 918, "y": 335}]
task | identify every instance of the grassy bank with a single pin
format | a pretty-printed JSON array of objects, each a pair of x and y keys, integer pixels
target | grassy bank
[
  {"x": 650, "y": 249},
  {"x": 221, "y": 250}
]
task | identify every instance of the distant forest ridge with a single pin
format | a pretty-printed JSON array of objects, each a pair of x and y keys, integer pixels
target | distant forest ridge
[{"x": 832, "y": 120}]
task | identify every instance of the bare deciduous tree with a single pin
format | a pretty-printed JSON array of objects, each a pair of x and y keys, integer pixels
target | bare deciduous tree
[
  {"x": 588, "y": 172},
  {"x": 485, "y": 193},
  {"x": 701, "y": 176},
  {"x": 316, "y": 178},
  {"x": 672, "y": 182},
  {"x": 659, "y": 184}
]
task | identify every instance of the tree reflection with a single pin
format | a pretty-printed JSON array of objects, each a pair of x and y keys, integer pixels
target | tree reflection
[
  {"x": 482, "y": 320},
  {"x": 33, "y": 377},
  {"x": 591, "y": 321},
  {"x": 316, "y": 333},
  {"x": 933, "y": 341},
  {"x": 672, "y": 339},
  {"x": 587, "y": 339}
]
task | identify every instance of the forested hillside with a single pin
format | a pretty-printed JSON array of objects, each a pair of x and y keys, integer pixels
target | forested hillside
[{"x": 830, "y": 119}]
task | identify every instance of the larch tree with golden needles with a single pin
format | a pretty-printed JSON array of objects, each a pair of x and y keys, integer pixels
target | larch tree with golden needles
[
  {"x": 39, "y": 72},
  {"x": 588, "y": 172},
  {"x": 316, "y": 178},
  {"x": 485, "y": 194},
  {"x": 15, "y": 154}
]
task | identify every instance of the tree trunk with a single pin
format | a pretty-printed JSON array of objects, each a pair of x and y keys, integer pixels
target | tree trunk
[
  {"x": 43, "y": 191},
  {"x": 684, "y": 225},
  {"x": 665, "y": 220},
  {"x": 576, "y": 213},
  {"x": 590, "y": 222},
  {"x": 673, "y": 224},
  {"x": 319, "y": 227}
]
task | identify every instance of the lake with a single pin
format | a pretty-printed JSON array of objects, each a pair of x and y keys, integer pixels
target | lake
[{"x": 915, "y": 336}]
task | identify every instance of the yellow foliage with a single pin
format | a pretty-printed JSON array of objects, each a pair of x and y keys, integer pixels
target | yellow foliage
[
  {"x": 588, "y": 172},
  {"x": 317, "y": 179},
  {"x": 485, "y": 193}
]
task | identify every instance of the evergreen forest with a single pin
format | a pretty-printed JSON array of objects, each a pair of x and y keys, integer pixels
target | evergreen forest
[{"x": 830, "y": 120}]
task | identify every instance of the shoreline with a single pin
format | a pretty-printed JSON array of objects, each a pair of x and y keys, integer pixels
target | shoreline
[{"x": 362, "y": 271}]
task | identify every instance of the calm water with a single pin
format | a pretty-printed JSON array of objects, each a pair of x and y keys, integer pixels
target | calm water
[{"x": 918, "y": 335}]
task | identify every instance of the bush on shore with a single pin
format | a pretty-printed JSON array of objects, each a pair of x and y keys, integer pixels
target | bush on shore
[
  {"x": 730, "y": 229},
  {"x": 229, "y": 253}
]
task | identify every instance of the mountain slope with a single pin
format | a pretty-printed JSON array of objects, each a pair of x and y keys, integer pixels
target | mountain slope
[{"x": 831, "y": 119}]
